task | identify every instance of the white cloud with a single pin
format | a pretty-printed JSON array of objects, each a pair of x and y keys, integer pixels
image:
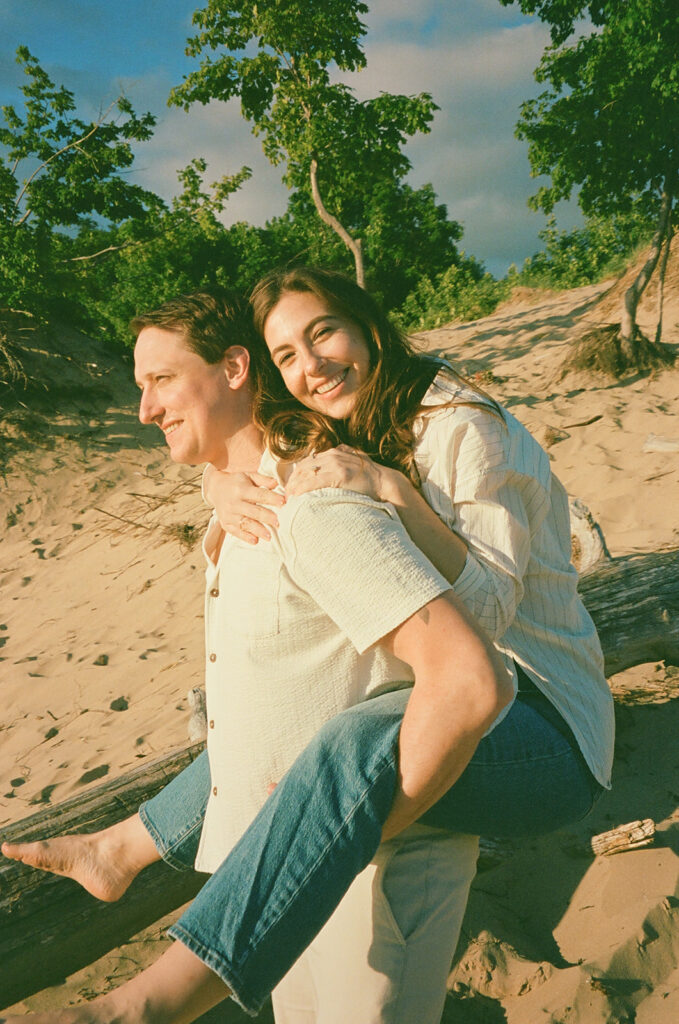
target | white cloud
[
  {"x": 471, "y": 157},
  {"x": 218, "y": 133}
]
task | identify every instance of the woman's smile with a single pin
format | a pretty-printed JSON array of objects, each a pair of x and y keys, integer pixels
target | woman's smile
[{"x": 323, "y": 389}]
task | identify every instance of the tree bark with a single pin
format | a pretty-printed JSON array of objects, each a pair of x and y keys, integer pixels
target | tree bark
[
  {"x": 353, "y": 244},
  {"x": 661, "y": 279},
  {"x": 634, "y": 602},
  {"x": 50, "y": 927},
  {"x": 628, "y": 325}
]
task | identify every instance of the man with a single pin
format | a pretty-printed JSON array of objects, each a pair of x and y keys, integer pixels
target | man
[{"x": 339, "y": 607}]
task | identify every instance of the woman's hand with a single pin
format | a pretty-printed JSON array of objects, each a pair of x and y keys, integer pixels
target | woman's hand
[
  {"x": 341, "y": 467},
  {"x": 353, "y": 471},
  {"x": 240, "y": 501}
]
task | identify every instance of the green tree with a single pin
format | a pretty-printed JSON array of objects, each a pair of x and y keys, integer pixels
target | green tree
[
  {"x": 279, "y": 56},
  {"x": 407, "y": 235},
  {"x": 464, "y": 291},
  {"x": 600, "y": 249},
  {"x": 608, "y": 120},
  {"x": 56, "y": 172},
  {"x": 142, "y": 262}
]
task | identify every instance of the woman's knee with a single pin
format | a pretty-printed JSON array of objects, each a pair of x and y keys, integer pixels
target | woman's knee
[{"x": 363, "y": 735}]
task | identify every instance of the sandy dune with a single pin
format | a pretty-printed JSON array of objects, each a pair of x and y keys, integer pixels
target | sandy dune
[{"x": 101, "y": 637}]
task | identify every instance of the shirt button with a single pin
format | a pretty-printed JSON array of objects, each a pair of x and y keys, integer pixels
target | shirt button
[
  {"x": 213, "y": 657},
  {"x": 214, "y": 592},
  {"x": 214, "y": 791},
  {"x": 212, "y": 723}
]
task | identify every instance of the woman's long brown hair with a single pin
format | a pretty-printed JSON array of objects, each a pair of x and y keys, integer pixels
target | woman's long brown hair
[{"x": 387, "y": 403}]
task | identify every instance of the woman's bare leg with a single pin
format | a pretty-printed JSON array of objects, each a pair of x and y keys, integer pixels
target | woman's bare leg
[
  {"x": 175, "y": 990},
  {"x": 104, "y": 863}
]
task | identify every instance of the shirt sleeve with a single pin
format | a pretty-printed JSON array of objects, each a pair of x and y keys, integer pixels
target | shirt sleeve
[
  {"x": 499, "y": 499},
  {"x": 354, "y": 558}
]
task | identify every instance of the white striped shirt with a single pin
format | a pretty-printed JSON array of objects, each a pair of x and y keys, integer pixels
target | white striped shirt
[{"x": 492, "y": 483}]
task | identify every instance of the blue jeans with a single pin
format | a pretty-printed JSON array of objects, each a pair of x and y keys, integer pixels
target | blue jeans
[{"x": 322, "y": 825}]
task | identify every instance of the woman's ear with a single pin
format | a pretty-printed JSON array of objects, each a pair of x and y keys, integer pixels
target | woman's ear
[{"x": 236, "y": 362}]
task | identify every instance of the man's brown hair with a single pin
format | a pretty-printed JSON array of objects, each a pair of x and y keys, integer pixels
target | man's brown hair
[{"x": 211, "y": 322}]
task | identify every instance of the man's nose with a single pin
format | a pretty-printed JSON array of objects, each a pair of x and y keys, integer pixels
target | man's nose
[{"x": 148, "y": 407}]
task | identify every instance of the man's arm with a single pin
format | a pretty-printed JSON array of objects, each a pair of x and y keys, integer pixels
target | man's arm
[{"x": 461, "y": 685}]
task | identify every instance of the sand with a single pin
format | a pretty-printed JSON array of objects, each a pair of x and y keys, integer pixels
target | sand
[{"x": 101, "y": 639}]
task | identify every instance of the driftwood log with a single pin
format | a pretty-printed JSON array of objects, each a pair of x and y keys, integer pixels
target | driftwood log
[
  {"x": 634, "y": 602},
  {"x": 49, "y": 927}
]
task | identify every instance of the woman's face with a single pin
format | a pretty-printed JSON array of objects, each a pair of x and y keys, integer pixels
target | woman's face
[{"x": 321, "y": 354}]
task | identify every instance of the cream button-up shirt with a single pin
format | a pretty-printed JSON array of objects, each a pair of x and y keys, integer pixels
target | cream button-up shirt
[{"x": 292, "y": 630}]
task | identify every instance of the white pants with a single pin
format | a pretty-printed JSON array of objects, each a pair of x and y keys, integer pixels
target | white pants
[{"x": 385, "y": 954}]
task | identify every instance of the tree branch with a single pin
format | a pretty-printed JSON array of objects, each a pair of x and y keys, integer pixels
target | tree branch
[
  {"x": 64, "y": 149},
  {"x": 102, "y": 252},
  {"x": 353, "y": 244},
  {"x": 661, "y": 275}
]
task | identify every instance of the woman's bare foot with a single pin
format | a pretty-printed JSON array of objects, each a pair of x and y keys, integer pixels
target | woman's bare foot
[
  {"x": 104, "y": 863},
  {"x": 176, "y": 989}
]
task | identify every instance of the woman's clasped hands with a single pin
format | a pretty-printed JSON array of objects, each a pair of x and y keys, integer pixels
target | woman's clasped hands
[
  {"x": 342, "y": 467},
  {"x": 245, "y": 502}
]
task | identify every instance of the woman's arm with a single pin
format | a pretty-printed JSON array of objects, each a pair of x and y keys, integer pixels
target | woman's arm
[
  {"x": 350, "y": 470},
  {"x": 495, "y": 489}
]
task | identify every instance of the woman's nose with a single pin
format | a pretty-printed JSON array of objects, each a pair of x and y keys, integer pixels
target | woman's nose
[{"x": 314, "y": 363}]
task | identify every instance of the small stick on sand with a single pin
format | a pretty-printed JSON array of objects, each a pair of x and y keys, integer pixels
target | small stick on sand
[{"x": 632, "y": 836}]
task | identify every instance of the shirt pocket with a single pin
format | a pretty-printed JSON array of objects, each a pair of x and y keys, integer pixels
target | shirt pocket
[{"x": 252, "y": 608}]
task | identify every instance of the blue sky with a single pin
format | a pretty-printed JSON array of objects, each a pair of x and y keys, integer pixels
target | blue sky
[{"x": 475, "y": 57}]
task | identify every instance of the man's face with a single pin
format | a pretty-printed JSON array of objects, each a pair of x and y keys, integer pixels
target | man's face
[{"x": 188, "y": 399}]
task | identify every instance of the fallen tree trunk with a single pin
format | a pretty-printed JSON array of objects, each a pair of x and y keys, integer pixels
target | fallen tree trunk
[
  {"x": 634, "y": 602},
  {"x": 50, "y": 927}
]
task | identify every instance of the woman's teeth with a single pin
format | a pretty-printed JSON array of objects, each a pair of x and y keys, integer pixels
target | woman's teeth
[{"x": 332, "y": 383}]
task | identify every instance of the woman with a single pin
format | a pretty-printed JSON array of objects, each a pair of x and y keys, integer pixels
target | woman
[{"x": 353, "y": 380}]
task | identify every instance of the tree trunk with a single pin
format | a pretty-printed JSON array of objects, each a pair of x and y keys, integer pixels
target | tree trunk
[
  {"x": 50, "y": 927},
  {"x": 628, "y": 325},
  {"x": 661, "y": 278},
  {"x": 634, "y": 602},
  {"x": 353, "y": 244}
]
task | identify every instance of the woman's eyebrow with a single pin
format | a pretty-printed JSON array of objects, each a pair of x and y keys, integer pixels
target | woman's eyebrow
[{"x": 307, "y": 328}]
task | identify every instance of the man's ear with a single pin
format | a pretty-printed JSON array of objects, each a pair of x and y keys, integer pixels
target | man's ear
[{"x": 236, "y": 362}]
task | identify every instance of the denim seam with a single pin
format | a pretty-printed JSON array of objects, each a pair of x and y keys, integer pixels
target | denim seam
[
  {"x": 526, "y": 762},
  {"x": 166, "y": 850},
  {"x": 386, "y": 764}
]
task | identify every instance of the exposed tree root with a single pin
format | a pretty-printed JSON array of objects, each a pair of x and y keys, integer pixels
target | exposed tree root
[{"x": 600, "y": 351}]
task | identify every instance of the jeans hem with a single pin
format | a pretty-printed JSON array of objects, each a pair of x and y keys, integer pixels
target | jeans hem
[
  {"x": 166, "y": 850},
  {"x": 218, "y": 964}
]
